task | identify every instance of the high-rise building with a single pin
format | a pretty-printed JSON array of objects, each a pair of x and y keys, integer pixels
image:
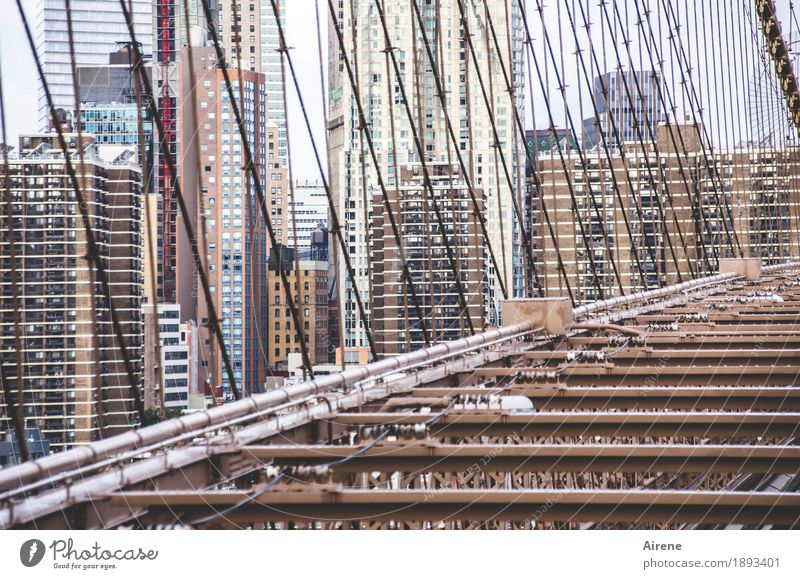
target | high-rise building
[
  {"x": 250, "y": 38},
  {"x": 236, "y": 238},
  {"x": 308, "y": 212},
  {"x": 354, "y": 177},
  {"x": 240, "y": 32},
  {"x": 171, "y": 36},
  {"x": 75, "y": 384},
  {"x": 98, "y": 29},
  {"x": 109, "y": 110},
  {"x": 615, "y": 110},
  {"x": 271, "y": 67}
]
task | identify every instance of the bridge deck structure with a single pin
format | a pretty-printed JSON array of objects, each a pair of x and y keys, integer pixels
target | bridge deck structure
[{"x": 674, "y": 408}]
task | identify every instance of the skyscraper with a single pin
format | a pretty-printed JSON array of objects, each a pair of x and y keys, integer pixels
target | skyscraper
[
  {"x": 109, "y": 110},
  {"x": 171, "y": 35},
  {"x": 98, "y": 26},
  {"x": 271, "y": 67},
  {"x": 353, "y": 174},
  {"x": 75, "y": 385},
  {"x": 236, "y": 233},
  {"x": 250, "y": 37},
  {"x": 240, "y": 33}
]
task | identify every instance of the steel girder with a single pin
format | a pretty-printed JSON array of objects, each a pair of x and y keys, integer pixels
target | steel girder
[{"x": 647, "y": 413}]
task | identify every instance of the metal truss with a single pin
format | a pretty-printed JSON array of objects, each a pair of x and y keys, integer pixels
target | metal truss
[{"x": 672, "y": 407}]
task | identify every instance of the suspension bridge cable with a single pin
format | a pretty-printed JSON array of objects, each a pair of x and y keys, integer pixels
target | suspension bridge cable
[
  {"x": 489, "y": 100},
  {"x": 637, "y": 125},
  {"x": 337, "y": 276},
  {"x": 331, "y": 203},
  {"x": 652, "y": 133},
  {"x": 255, "y": 242},
  {"x": 686, "y": 105},
  {"x": 603, "y": 141},
  {"x": 595, "y": 204},
  {"x": 250, "y": 168},
  {"x": 692, "y": 94},
  {"x": 454, "y": 201},
  {"x": 620, "y": 146},
  {"x": 562, "y": 159},
  {"x": 283, "y": 50},
  {"x": 420, "y": 151},
  {"x": 334, "y": 214},
  {"x": 698, "y": 216},
  {"x": 201, "y": 197},
  {"x": 691, "y": 99},
  {"x": 529, "y": 157},
  {"x": 653, "y": 137},
  {"x": 99, "y": 395}
]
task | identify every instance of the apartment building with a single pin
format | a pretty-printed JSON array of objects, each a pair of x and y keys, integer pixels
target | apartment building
[
  {"x": 235, "y": 245},
  {"x": 660, "y": 216},
  {"x": 309, "y": 280},
  {"x": 396, "y": 325},
  {"x": 70, "y": 366}
]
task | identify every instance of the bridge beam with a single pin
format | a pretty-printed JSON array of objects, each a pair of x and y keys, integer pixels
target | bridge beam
[{"x": 435, "y": 505}]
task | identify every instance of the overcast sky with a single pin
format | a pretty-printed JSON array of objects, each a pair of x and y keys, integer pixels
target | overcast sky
[{"x": 19, "y": 77}]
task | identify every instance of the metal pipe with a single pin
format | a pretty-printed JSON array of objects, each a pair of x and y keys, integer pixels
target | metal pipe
[
  {"x": 53, "y": 464},
  {"x": 609, "y": 327}
]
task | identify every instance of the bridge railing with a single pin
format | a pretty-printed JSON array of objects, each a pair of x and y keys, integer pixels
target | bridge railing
[{"x": 163, "y": 433}]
